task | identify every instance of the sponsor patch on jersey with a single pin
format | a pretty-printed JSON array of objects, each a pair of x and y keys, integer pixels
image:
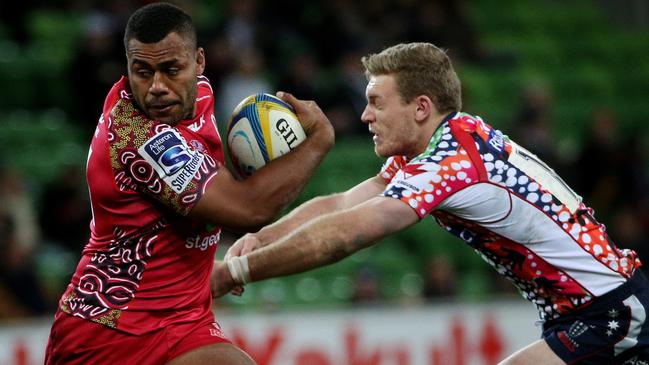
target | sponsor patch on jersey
[
  {"x": 415, "y": 176},
  {"x": 407, "y": 185},
  {"x": 496, "y": 142},
  {"x": 203, "y": 242},
  {"x": 172, "y": 158}
]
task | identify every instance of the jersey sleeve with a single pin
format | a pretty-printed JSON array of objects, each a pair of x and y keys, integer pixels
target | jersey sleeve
[
  {"x": 391, "y": 166},
  {"x": 430, "y": 178},
  {"x": 155, "y": 159}
]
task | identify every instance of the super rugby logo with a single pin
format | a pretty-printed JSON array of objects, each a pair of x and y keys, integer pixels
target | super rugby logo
[
  {"x": 174, "y": 159},
  {"x": 171, "y": 158}
]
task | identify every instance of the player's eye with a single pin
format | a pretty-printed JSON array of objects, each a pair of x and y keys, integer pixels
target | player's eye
[
  {"x": 144, "y": 73},
  {"x": 173, "y": 71}
]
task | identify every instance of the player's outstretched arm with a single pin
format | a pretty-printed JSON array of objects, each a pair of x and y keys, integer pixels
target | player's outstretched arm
[
  {"x": 248, "y": 204},
  {"x": 322, "y": 241},
  {"x": 311, "y": 209}
]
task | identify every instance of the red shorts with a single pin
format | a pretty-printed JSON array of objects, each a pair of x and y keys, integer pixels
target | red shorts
[{"x": 77, "y": 341}]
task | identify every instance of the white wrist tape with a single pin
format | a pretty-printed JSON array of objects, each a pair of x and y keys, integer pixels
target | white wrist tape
[{"x": 239, "y": 269}]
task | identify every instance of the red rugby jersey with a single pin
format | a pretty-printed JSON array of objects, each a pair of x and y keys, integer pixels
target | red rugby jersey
[{"x": 146, "y": 265}]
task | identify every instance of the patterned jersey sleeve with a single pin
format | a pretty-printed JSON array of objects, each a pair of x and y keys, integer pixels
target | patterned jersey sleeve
[
  {"x": 391, "y": 166},
  {"x": 427, "y": 180},
  {"x": 155, "y": 159}
]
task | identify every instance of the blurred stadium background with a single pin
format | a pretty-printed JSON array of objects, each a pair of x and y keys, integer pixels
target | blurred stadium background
[{"x": 567, "y": 79}]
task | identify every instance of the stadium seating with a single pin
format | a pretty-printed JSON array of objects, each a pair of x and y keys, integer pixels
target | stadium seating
[{"x": 587, "y": 60}]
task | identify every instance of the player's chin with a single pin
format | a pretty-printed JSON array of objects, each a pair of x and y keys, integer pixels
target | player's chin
[
  {"x": 381, "y": 152},
  {"x": 167, "y": 117}
]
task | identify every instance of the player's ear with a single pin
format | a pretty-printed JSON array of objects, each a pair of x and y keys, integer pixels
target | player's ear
[
  {"x": 424, "y": 108},
  {"x": 200, "y": 60}
]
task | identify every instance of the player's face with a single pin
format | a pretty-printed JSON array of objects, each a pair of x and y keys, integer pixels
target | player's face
[
  {"x": 389, "y": 118},
  {"x": 162, "y": 76}
]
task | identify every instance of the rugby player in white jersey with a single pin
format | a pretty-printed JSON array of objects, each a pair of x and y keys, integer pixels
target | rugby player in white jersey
[{"x": 481, "y": 186}]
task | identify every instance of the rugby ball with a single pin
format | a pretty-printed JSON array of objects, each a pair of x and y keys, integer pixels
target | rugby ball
[{"x": 262, "y": 128}]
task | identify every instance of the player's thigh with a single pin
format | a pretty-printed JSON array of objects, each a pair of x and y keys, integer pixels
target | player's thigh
[
  {"x": 534, "y": 354},
  {"x": 214, "y": 354}
]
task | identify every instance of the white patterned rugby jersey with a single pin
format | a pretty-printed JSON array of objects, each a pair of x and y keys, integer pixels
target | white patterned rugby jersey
[{"x": 514, "y": 211}]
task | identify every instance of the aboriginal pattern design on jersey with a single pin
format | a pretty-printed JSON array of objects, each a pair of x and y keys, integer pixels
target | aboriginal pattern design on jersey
[
  {"x": 580, "y": 224},
  {"x": 534, "y": 262},
  {"x": 128, "y": 130},
  {"x": 549, "y": 289},
  {"x": 111, "y": 278},
  {"x": 444, "y": 156}
]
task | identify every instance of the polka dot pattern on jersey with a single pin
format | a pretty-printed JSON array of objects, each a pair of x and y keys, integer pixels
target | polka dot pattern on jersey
[
  {"x": 551, "y": 290},
  {"x": 431, "y": 177},
  {"x": 583, "y": 228},
  {"x": 445, "y": 168}
]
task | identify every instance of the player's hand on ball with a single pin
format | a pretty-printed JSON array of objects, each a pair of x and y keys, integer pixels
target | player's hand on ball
[
  {"x": 221, "y": 281},
  {"x": 312, "y": 118}
]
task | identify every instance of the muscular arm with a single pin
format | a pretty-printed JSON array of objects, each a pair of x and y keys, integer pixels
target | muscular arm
[
  {"x": 252, "y": 202},
  {"x": 330, "y": 238},
  {"x": 319, "y": 206}
]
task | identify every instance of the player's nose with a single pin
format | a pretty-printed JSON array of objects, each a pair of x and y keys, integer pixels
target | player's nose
[
  {"x": 367, "y": 116},
  {"x": 158, "y": 86}
]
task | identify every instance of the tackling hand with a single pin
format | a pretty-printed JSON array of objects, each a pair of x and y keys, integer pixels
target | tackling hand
[{"x": 244, "y": 245}]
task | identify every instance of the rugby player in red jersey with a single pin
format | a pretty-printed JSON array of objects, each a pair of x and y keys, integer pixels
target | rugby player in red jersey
[
  {"x": 160, "y": 194},
  {"x": 486, "y": 189}
]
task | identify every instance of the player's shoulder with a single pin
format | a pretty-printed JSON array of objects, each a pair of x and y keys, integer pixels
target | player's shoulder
[
  {"x": 126, "y": 118},
  {"x": 119, "y": 91},
  {"x": 481, "y": 131},
  {"x": 121, "y": 110},
  {"x": 469, "y": 123},
  {"x": 204, "y": 85},
  {"x": 391, "y": 166}
]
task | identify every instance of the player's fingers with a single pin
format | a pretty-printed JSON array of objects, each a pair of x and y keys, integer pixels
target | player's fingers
[
  {"x": 289, "y": 98},
  {"x": 237, "y": 247},
  {"x": 233, "y": 251},
  {"x": 249, "y": 245},
  {"x": 300, "y": 106},
  {"x": 246, "y": 250},
  {"x": 237, "y": 290},
  {"x": 243, "y": 246}
]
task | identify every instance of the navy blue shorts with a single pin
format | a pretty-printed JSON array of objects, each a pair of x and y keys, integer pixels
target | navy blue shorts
[{"x": 612, "y": 330}]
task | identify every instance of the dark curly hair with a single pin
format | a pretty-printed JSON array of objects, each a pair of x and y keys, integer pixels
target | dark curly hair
[{"x": 153, "y": 22}]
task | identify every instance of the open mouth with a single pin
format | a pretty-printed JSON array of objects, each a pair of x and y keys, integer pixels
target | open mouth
[{"x": 375, "y": 136}]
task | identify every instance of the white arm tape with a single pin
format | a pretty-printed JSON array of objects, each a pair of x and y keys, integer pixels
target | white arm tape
[{"x": 239, "y": 269}]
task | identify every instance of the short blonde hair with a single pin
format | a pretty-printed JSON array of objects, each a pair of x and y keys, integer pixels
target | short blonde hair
[{"x": 419, "y": 69}]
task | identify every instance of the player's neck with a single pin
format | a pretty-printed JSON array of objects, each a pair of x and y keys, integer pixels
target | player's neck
[{"x": 428, "y": 129}]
